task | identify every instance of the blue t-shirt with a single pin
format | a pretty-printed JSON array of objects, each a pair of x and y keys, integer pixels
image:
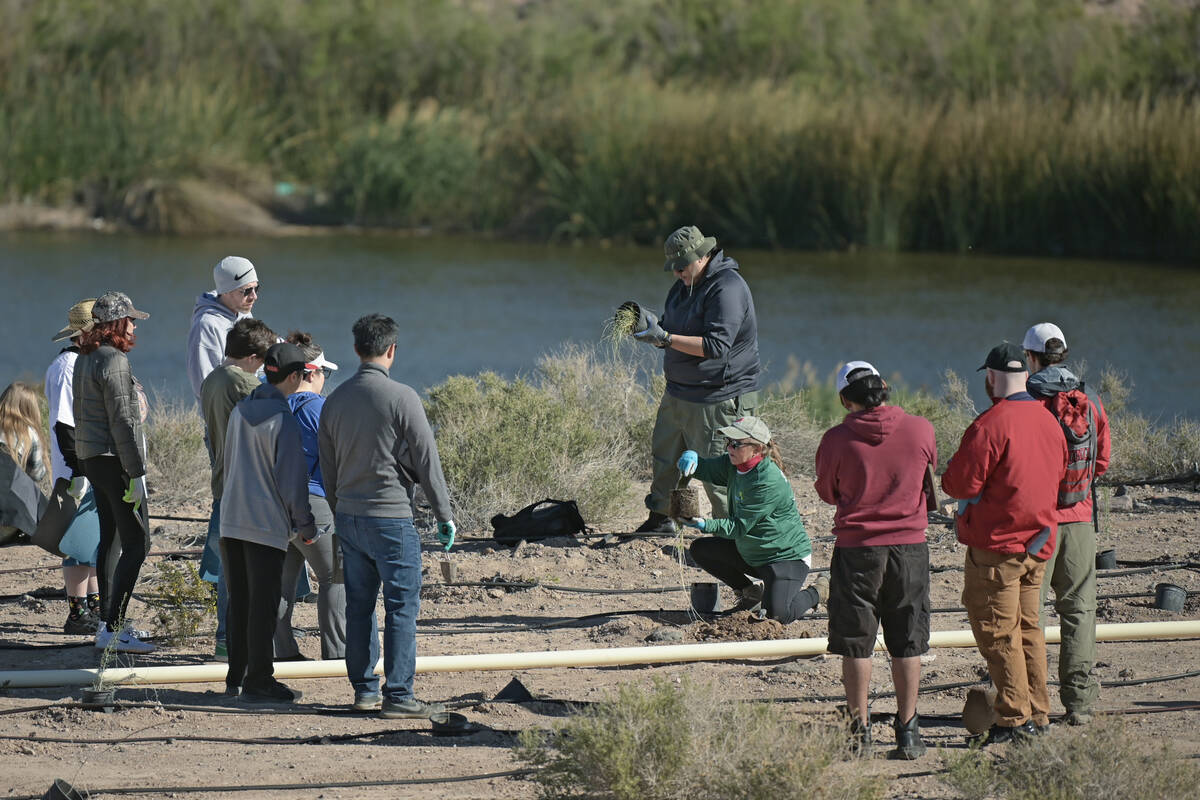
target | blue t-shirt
[{"x": 307, "y": 408}]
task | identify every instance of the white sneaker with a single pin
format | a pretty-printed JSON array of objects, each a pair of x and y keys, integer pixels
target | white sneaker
[
  {"x": 103, "y": 636},
  {"x": 129, "y": 642}
]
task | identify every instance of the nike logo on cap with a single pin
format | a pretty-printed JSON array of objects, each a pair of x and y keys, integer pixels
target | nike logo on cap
[{"x": 244, "y": 274}]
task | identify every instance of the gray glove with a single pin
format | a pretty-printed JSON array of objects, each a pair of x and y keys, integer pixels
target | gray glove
[{"x": 654, "y": 334}]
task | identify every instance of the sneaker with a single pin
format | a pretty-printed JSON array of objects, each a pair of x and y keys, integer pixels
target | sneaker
[
  {"x": 297, "y": 657},
  {"x": 274, "y": 695},
  {"x": 821, "y": 584},
  {"x": 368, "y": 702},
  {"x": 220, "y": 652},
  {"x": 1077, "y": 718},
  {"x": 103, "y": 635},
  {"x": 656, "y": 523},
  {"x": 129, "y": 642},
  {"x": 80, "y": 624},
  {"x": 909, "y": 745},
  {"x": 410, "y": 709}
]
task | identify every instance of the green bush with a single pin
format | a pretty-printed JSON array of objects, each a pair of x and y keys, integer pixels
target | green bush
[
  {"x": 691, "y": 742},
  {"x": 182, "y": 602},
  {"x": 1105, "y": 761}
]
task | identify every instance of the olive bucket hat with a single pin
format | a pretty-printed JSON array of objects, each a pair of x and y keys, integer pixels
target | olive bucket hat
[
  {"x": 747, "y": 428},
  {"x": 685, "y": 246},
  {"x": 79, "y": 319}
]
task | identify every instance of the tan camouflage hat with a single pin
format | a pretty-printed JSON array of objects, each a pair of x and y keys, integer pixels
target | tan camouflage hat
[
  {"x": 112, "y": 306},
  {"x": 685, "y": 246},
  {"x": 747, "y": 428},
  {"x": 79, "y": 319}
]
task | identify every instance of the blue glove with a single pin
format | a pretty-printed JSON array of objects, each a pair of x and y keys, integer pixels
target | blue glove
[
  {"x": 654, "y": 334},
  {"x": 445, "y": 534},
  {"x": 687, "y": 463},
  {"x": 695, "y": 522}
]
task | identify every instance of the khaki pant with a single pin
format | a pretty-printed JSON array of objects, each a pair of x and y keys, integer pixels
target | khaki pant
[
  {"x": 680, "y": 426},
  {"x": 1072, "y": 573},
  {"x": 1001, "y": 593}
]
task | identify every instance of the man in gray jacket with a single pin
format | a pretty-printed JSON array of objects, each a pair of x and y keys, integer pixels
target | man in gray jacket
[
  {"x": 264, "y": 505},
  {"x": 215, "y": 312},
  {"x": 375, "y": 444}
]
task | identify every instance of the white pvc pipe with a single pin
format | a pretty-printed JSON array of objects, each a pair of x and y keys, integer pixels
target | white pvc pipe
[{"x": 598, "y": 657}]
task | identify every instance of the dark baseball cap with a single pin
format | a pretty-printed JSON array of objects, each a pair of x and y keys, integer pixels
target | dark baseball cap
[
  {"x": 112, "y": 306},
  {"x": 1005, "y": 357},
  {"x": 283, "y": 359}
]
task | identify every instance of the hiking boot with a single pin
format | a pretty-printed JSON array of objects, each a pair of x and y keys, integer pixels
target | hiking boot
[
  {"x": 1077, "y": 718},
  {"x": 999, "y": 734},
  {"x": 220, "y": 652},
  {"x": 368, "y": 702},
  {"x": 860, "y": 737},
  {"x": 909, "y": 745},
  {"x": 411, "y": 708},
  {"x": 656, "y": 523},
  {"x": 276, "y": 694},
  {"x": 821, "y": 584},
  {"x": 80, "y": 624}
]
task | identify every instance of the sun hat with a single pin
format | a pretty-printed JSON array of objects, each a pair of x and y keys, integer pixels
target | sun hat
[
  {"x": 853, "y": 366},
  {"x": 1037, "y": 336},
  {"x": 112, "y": 306},
  {"x": 747, "y": 428},
  {"x": 321, "y": 361},
  {"x": 79, "y": 319},
  {"x": 1005, "y": 357},
  {"x": 233, "y": 272},
  {"x": 685, "y": 246}
]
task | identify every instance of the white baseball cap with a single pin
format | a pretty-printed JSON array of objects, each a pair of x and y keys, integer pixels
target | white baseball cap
[
  {"x": 852, "y": 366},
  {"x": 1037, "y": 336},
  {"x": 321, "y": 361}
]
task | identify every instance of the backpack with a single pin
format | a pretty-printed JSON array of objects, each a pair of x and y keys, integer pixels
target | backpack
[
  {"x": 1075, "y": 412},
  {"x": 541, "y": 520}
]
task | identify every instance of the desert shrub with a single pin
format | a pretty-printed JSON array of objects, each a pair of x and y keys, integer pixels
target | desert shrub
[
  {"x": 950, "y": 412},
  {"x": 182, "y": 601},
  {"x": 579, "y": 428},
  {"x": 690, "y": 741},
  {"x": 176, "y": 455},
  {"x": 1102, "y": 762}
]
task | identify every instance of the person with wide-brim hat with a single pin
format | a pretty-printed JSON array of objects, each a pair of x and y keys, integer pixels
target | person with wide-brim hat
[
  {"x": 81, "y": 539},
  {"x": 709, "y": 337}
]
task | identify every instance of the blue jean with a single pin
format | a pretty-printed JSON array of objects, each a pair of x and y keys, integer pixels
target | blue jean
[
  {"x": 210, "y": 567},
  {"x": 381, "y": 551}
]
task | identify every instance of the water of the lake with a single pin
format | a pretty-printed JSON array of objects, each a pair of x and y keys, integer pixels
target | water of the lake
[{"x": 465, "y": 306}]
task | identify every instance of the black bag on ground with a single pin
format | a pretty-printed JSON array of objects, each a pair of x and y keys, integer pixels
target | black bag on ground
[{"x": 541, "y": 520}]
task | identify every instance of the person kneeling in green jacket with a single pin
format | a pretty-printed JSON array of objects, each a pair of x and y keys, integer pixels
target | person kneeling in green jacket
[{"x": 763, "y": 535}]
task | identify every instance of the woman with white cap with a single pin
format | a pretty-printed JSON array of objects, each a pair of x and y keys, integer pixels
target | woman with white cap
[
  {"x": 323, "y": 555},
  {"x": 110, "y": 409},
  {"x": 763, "y": 535},
  {"x": 81, "y": 540}
]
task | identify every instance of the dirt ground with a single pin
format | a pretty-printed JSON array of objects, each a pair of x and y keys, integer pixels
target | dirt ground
[{"x": 169, "y": 739}]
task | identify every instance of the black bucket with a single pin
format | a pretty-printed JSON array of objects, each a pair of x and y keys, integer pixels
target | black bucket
[
  {"x": 1169, "y": 597},
  {"x": 98, "y": 700},
  {"x": 706, "y": 597},
  {"x": 1107, "y": 558},
  {"x": 61, "y": 790}
]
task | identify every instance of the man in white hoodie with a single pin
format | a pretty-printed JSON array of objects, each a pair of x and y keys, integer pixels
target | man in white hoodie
[{"x": 216, "y": 311}]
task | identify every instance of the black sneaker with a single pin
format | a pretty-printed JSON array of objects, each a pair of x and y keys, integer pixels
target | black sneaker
[
  {"x": 274, "y": 695},
  {"x": 909, "y": 745},
  {"x": 656, "y": 523},
  {"x": 410, "y": 709},
  {"x": 80, "y": 624}
]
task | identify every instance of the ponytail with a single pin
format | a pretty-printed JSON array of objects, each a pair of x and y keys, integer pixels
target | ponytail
[{"x": 772, "y": 451}]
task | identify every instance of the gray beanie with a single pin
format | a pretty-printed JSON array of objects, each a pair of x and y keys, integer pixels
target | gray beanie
[{"x": 233, "y": 272}]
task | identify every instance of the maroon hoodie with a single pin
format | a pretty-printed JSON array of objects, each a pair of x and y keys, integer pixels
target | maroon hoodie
[{"x": 872, "y": 467}]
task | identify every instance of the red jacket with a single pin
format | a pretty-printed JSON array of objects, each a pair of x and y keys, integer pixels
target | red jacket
[
  {"x": 872, "y": 467},
  {"x": 1009, "y": 465}
]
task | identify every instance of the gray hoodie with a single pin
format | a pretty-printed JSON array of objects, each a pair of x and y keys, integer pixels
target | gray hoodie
[
  {"x": 211, "y": 321},
  {"x": 266, "y": 477}
]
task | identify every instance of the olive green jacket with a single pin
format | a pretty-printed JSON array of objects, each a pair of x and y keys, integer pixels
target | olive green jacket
[{"x": 763, "y": 519}]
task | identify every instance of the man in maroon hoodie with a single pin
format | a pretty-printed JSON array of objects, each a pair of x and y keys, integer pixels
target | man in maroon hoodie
[
  {"x": 1006, "y": 475},
  {"x": 872, "y": 467}
]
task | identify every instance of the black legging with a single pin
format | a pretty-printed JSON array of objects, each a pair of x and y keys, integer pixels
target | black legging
[
  {"x": 124, "y": 537},
  {"x": 784, "y": 595}
]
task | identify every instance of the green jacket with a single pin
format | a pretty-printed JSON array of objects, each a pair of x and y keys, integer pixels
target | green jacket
[{"x": 763, "y": 520}]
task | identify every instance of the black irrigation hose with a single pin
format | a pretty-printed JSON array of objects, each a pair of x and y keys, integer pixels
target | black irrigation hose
[{"x": 275, "y": 787}]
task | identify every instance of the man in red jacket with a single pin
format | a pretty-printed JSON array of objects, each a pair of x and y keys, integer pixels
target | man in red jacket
[
  {"x": 872, "y": 467},
  {"x": 1006, "y": 474},
  {"x": 1072, "y": 568}
]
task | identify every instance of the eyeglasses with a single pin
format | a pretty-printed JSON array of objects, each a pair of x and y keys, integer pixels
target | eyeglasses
[
  {"x": 326, "y": 371},
  {"x": 251, "y": 290},
  {"x": 734, "y": 444}
]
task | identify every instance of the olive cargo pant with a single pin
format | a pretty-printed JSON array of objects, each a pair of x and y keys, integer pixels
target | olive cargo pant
[
  {"x": 1072, "y": 573},
  {"x": 1001, "y": 593},
  {"x": 680, "y": 426}
]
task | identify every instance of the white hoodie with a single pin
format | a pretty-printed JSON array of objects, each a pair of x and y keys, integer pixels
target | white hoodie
[{"x": 211, "y": 322}]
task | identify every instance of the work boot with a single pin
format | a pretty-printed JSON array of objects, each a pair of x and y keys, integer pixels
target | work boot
[
  {"x": 1000, "y": 734},
  {"x": 821, "y": 584},
  {"x": 1076, "y": 718},
  {"x": 908, "y": 740},
  {"x": 656, "y": 523}
]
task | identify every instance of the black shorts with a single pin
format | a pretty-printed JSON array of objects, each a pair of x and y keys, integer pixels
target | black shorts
[{"x": 870, "y": 585}]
